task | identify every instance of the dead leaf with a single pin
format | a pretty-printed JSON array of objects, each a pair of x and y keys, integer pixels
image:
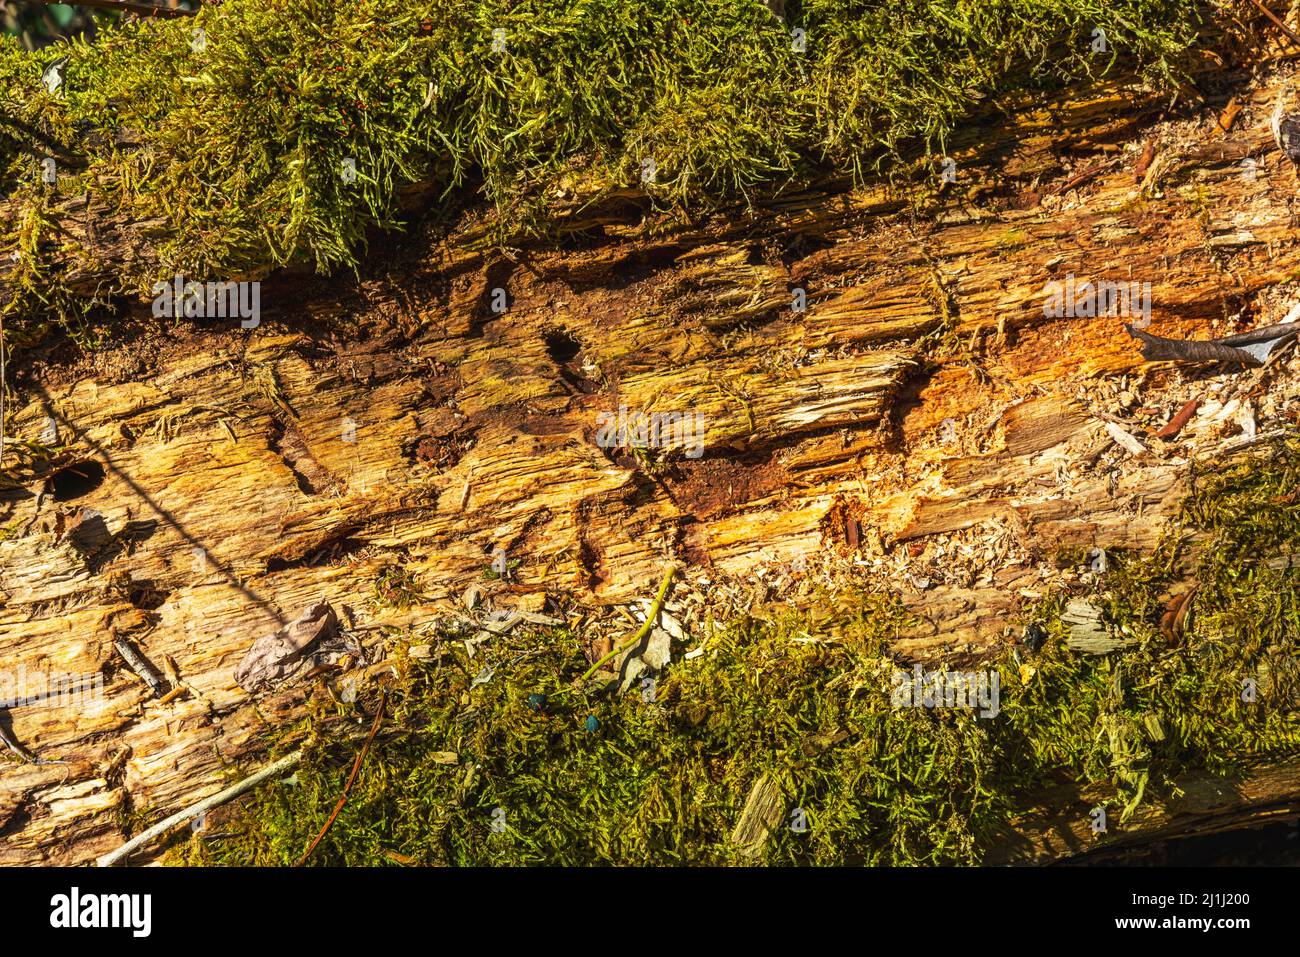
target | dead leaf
[
  {"x": 1174, "y": 619},
  {"x": 1249, "y": 348},
  {"x": 274, "y": 656}
]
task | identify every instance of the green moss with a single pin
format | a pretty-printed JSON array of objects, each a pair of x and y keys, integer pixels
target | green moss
[
  {"x": 397, "y": 587},
  {"x": 658, "y": 781},
  {"x": 233, "y": 152},
  {"x": 27, "y": 460},
  {"x": 665, "y": 780},
  {"x": 1172, "y": 703},
  {"x": 1013, "y": 239}
]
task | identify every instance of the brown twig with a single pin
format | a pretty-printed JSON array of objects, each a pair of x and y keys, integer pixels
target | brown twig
[
  {"x": 1277, "y": 22},
  {"x": 347, "y": 788},
  {"x": 1183, "y": 416},
  {"x": 1086, "y": 176},
  {"x": 138, "y": 663},
  {"x": 129, "y": 6}
]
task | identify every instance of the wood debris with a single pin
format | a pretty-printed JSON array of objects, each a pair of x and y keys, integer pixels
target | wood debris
[
  {"x": 1180, "y": 419},
  {"x": 1088, "y": 633},
  {"x": 763, "y": 812},
  {"x": 1144, "y": 161},
  {"x": 1124, "y": 440},
  {"x": 1229, "y": 115}
]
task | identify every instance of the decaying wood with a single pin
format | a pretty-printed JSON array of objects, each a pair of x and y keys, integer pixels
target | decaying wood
[
  {"x": 274, "y": 769},
  {"x": 1207, "y": 805},
  {"x": 922, "y": 415},
  {"x": 763, "y": 811}
]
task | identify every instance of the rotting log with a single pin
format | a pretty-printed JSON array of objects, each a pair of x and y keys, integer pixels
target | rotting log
[
  {"x": 921, "y": 414},
  {"x": 1208, "y": 805}
]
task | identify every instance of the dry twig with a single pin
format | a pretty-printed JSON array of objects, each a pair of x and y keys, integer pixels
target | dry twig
[
  {"x": 180, "y": 817},
  {"x": 347, "y": 788}
]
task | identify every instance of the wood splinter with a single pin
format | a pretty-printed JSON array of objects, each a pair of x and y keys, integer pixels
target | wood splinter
[{"x": 139, "y": 665}]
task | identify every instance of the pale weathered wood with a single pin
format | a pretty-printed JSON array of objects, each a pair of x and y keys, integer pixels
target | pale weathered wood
[
  {"x": 141, "y": 840},
  {"x": 763, "y": 811}
]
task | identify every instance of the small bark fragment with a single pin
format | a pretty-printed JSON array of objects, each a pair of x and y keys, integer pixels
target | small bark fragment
[{"x": 761, "y": 815}]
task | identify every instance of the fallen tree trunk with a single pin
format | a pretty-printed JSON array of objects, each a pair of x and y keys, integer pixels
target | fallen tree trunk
[
  {"x": 1208, "y": 805},
  {"x": 921, "y": 415}
]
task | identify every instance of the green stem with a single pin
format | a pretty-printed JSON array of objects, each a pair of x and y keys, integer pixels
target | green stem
[{"x": 644, "y": 629}]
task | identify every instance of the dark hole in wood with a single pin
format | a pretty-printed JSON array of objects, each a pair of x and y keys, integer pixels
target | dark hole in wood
[
  {"x": 561, "y": 346},
  {"x": 75, "y": 480},
  {"x": 145, "y": 594}
]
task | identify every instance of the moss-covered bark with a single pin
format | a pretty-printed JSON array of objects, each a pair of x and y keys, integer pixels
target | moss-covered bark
[
  {"x": 805, "y": 701},
  {"x": 224, "y": 150}
]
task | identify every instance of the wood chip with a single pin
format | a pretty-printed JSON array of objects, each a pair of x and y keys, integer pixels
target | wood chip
[
  {"x": 1124, "y": 440},
  {"x": 1229, "y": 115},
  {"x": 1155, "y": 730},
  {"x": 1144, "y": 161},
  {"x": 763, "y": 811},
  {"x": 1088, "y": 633}
]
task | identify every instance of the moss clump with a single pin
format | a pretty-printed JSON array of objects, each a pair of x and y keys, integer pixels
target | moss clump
[
  {"x": 233, "y": 146},
  {"x": 1221, "y": 694},
  {"x": 665, "y": 780},
  {"x": 663, "y": 777},
  {"x": 397, "y": 587}
]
